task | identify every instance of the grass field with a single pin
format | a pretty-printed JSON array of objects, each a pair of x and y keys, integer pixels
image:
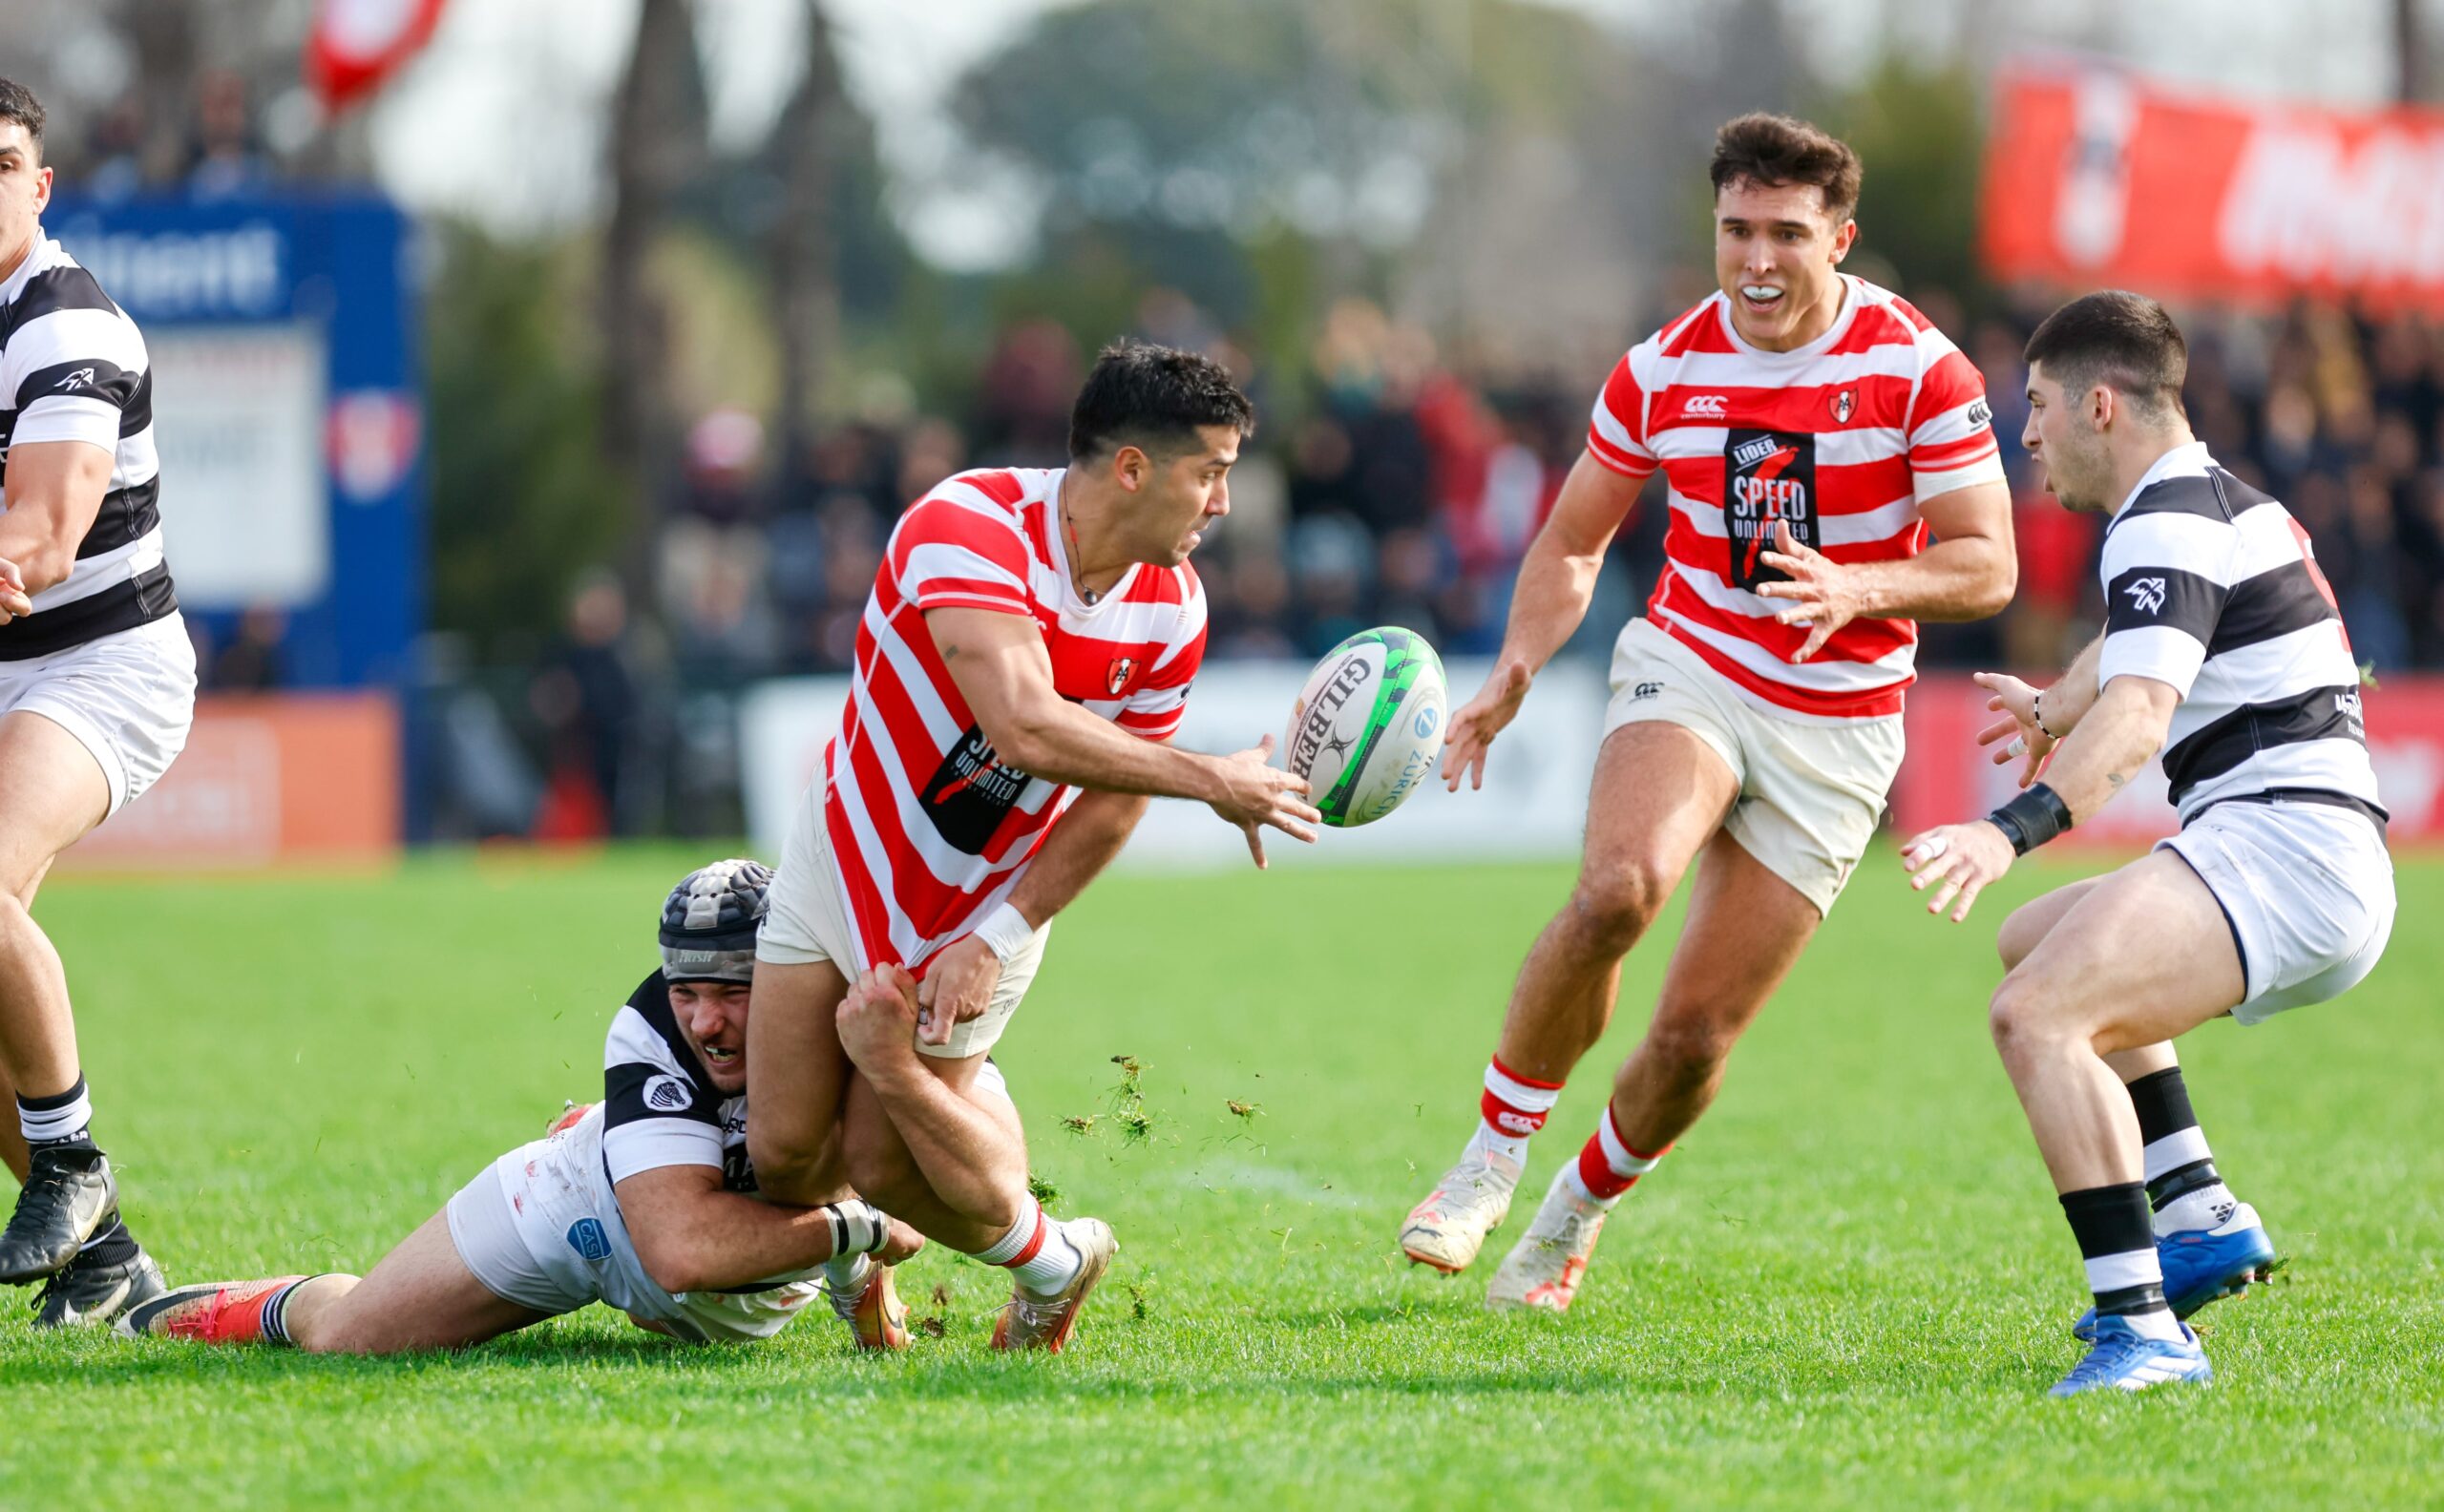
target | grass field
[{"x": 1848, "y": 1287}]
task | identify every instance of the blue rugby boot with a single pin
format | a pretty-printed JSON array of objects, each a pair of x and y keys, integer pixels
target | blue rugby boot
[
  {"x": 2120, "y": 1358},
  {"x": 2204, "y": 1264}
]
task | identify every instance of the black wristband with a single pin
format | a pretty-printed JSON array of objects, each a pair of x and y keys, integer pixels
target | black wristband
[{"x": 2032, "y": 819}]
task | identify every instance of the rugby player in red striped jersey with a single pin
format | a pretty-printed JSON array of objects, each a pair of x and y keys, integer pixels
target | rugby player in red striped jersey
[
  {"x": 1023, "y": 661},
  {"x": 1812, "y": 431}
]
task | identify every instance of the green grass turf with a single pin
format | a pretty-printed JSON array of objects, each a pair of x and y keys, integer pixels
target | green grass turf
[{"x": 1849, "y": 1286}]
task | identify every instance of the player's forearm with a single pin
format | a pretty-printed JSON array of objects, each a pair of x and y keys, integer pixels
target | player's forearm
[
  {"x": 30, "y": 537},
  {"x": 1062, "y": 742},
  {"x": 1556, "y": 583},
  {"x": 1080, "y": 845},
  {"x": 1966, "y": 577},
  {"x": 969, "y": 1161},
  {"x": 728, "y": 1239},
  {"x": 2066, "y": 702},
  {"x": 2122, "y": 734},
  {"x": 56, "y": 491}
]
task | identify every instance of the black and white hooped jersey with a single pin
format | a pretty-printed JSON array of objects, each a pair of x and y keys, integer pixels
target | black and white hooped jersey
[
  {"x": 658, "y": 1107},
  {"x": 2213, "y": 588},
  {"x": 73, "y": 367}
]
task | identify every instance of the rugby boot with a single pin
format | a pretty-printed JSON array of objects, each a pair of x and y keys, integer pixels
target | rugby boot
[
  {"x": 68, "y": 1198},
  {"x": 91, "y": 1293},
  {"x": 2121, "y": 1359},
  {"x": 2204, "y": 1264},
  {"x": 872, "y": 1310},
  {"x": 1045, "y": 1323},
  {"x": 1542, "y": 1269},
  {"x": 1447, "y": 1230},
  {"x": 207, "y": 1312}
]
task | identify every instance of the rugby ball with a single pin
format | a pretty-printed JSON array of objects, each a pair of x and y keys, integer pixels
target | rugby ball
[{"x": 1368, "y": 725}]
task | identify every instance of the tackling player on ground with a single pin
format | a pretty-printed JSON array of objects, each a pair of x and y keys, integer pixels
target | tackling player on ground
[
  {"x": 1025, "y": 658},
  {"x": 2222, "y": 650},
  {"x": 1812, "y": 429},
  {"x": 96, "y": 694},
  {"x": 644, "y": 1201}
]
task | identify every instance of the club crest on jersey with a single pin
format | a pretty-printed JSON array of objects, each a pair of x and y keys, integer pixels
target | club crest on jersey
[
  {"x": 1844, "y": 403},
  {"x": 667, "y": 1094},
  {"x": 2147, "y": 595},
  {"x": 1123, "y": 669}
]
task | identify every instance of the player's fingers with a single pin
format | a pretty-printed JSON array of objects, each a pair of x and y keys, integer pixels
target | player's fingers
[
  {"x": 1815, "y": 641},
  {"x": 1943, "y": 894},
  {"x": 2000, "y": 729},
  {"x": 1256, "y": 843},
  {"x": 1969, "y": 891},
  {"x": 1264, "y": 744}
]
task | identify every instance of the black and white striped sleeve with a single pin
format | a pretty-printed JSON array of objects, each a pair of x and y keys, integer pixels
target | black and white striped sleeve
[
  {"x": 655, "y": 1112},
  {"x": 73, "y": 364},
  {"x": 2167, "y": 577}
]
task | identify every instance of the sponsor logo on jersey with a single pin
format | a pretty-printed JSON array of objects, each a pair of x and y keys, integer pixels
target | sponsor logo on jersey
[
  {"x": 2147, "y": 595},
  {"x": 1844, "y": 403},
  {"x": 1769, "y": 479},
  {"x": 1645, "y": 690},
  {"x": 586, "y": 1237},
  {"x": 1123, "y": 669},
  {"x": 970, "y": 792},
  {"x": 1704, "y": 407},
  {"x": 1979, "y": 414},
  {"x": 667, "y": 1094},
  {"x": 76, "y": 379},
  {"x": 2348, "y": 705}
]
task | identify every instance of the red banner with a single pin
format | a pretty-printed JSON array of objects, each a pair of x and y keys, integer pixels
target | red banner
[
  {"x": 356, "y": 45},
  {"x": 2097, "y": 178},
  {"x": 1949, "y": 777}
]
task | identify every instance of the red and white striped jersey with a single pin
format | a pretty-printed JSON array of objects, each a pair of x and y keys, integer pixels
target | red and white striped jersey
[
  {"x": 930, "y": 829},
  {"x": 1842, "y": 439}
]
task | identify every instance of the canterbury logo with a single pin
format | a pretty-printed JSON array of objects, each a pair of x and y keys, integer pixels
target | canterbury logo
[
  {"x": 1518, "y": 1123},
  {"x": 1704, "y": 407},
  {"x": 2147, "y": 595}
]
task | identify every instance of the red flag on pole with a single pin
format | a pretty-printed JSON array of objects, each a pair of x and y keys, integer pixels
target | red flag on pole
[{"x": 356, "y": 45}]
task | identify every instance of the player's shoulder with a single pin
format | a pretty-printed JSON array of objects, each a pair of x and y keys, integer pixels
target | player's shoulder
[
  {"x": 52, "y": 281},
  {"x": 645, "y": 1032},
  {"x": 1886, "y": 319},
  {"x": 1697, "y": 330},
  {"x": 988, "y": 500}
]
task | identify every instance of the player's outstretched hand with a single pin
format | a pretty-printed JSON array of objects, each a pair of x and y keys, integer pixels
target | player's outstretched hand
[
  {"x": 903, "y": 1243},
  {"x": 1962, "y": 858},
  {"x": 1479, "y": 720},
  {"x": 958, "y": 986},
  {"x": 14, "y": 603},
  {"x": 878, "y": 1018},
  {"x": 1825, "y": 595},
  {"x": 2018, "y": 730},
  {"x": 1257, "y": 796}
]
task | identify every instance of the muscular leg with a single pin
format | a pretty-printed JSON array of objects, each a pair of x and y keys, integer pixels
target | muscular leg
[
  {"x": 51, "y": 791},
  {"x": 1659, "y": 792},
  {"x": 12, "y": 1144},
  {"x": 967, "y": 1213},
  {"x": 797, "y": 1078},
  {"x": 1745, "y": 929},
  {"x": 2029, "y": 924},
  {"x": 421, "y": 1295}
]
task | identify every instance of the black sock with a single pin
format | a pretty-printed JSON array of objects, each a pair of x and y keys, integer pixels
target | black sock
[
  {"x": 63, "y": 1118},
  {"x": 2117, "y": 1243},
  {"x": 2178, "y": 1159},
  {"x": 110, "y": 1245}
]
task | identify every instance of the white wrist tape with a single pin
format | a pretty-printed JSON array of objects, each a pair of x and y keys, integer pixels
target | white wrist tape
[
  {"x": 1006, "y": 932},
  {"x": 857, "y": 1228}
]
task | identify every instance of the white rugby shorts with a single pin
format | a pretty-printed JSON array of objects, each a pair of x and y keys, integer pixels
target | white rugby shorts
[
  {"x": 2308, "y": 889},
  {"x": 807, "y": 920},
  {"x": 128, "y": 697},
  {"x": 1811, "y": 792}
]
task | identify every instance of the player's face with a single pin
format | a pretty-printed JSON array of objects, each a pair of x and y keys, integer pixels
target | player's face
[
  {"x": 1184, "y": 494},
  {"x": 1777, "y": 260},
  {"x": 25, "y": 187},
  {"x": 712, "y": 1018},
  {"x": 2069, "y": 450}
]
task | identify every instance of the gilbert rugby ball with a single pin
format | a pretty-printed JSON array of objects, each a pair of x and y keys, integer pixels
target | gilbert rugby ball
[{"x": 1368, "y": 725}]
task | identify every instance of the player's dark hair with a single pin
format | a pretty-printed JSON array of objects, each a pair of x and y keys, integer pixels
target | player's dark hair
[
  {"x": 1154, "y": 398},
  {"x": 2126, "y": 341},
  {"x": 17, "y": 103},
  {"x": 1776, "y": 150}
]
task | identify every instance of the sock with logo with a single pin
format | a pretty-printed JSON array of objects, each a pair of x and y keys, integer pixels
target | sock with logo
[
  {"x": 1607, "y": 1167},
  {"x": 63, "y": 1118},
  {"x": 2117, "y": 1245},
  {"x": 272, "y": 1313},
  {"x": 1512, "y": 1109},
  {"x": 1037, "y": 1252},
  {"x": 2183, "y": 1188}
]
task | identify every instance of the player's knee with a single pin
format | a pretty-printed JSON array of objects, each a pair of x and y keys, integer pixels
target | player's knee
[
  {"x": 1689, "y": 1049},
  {"x": 881, "y": 1172},
  {"x": 2022, "y": 1017},
  {"x": 1615, "y": 906}
]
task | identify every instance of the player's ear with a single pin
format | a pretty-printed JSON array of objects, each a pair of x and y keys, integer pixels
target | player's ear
[
  {"x": 1844, "y": 235},
  {"x": 1131, "y": 467}
]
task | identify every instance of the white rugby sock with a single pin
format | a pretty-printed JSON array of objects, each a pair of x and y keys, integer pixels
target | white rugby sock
[
  {"x": 57, "y": 1119},
  {"x": 1036, "y": 1252}
]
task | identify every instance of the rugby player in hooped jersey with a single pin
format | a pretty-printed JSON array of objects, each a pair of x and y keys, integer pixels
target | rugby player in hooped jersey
[
  {"x": 1024, "y": 659},
  {"x": 1814, "y": 429},
  {"x": 644, "y": 1201},
  {"x": 2223, "y": 651}
]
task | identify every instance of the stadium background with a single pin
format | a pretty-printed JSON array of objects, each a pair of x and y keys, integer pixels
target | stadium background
[{"x": 535, "y": 391}]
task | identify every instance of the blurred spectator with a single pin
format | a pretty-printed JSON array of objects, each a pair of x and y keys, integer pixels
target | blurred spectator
[
  {"x": 587, "y": 699},
  {"x": 225, "y": 158},
  {"x": 251, "y": 662}
]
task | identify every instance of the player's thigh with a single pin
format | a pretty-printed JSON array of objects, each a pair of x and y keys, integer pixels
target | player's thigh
[
  {"x": 2144, "y": 956},
  {"x": 795, "y": 1066},
  {"x": 2032, "y": 921},
  {"x": 51, "y": 791},
  {"x": 1745, "y": 929},
  {"x": 877, "y": 1154},
  {"x": 420, "y": 1296},
  {"x": 1661, "y": 789}
]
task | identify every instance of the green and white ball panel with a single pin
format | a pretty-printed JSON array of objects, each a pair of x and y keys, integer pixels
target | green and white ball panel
[{"x": 1368, "y": 727}]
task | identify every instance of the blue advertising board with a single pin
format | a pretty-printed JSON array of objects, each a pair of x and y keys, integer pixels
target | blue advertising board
[{"x": 288, "y": 408}]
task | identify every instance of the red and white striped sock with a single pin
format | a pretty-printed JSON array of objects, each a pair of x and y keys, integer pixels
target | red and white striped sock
[
  {"x": 1607, "y": 1167},
  {"x": 1036, "y": 1252},
  {"x": 1512, "y": 1109}
]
